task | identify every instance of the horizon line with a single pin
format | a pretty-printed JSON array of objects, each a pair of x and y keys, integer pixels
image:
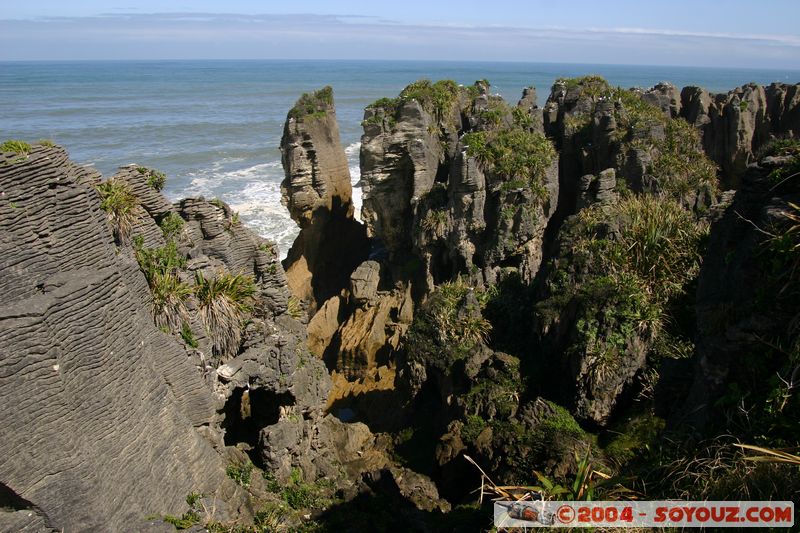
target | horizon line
[{"x": 395, "y": 60}]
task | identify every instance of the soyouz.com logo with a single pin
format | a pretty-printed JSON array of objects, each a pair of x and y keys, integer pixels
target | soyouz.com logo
[{"x": 643, "y": 514}]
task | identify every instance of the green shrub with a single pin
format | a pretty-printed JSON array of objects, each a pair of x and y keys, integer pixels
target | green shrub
[
  {"x": 473, "y": 426},
  {"x": 15, "y": 146},
  {"x": 120, "y": 204},
  {"x": 171, "y": 225},
  {"x": 659, "y": 242},
  {"x": 593, "y": 85},
  {"x": 522, "y": 118},
  {"x": 495, "y": 112},
  {"x": 160, "y": 267},
  {"x": 435, "y": 98},
  {"x": 240, "y": 473},
  {"x": 444, "y": 327},
  {"x": 303, "y": 495},
  {"x": 634, "y": 114},
  {"x": 164, "y": 260},
  {"x": 680, "y": 165},
  {"x": 224, "y": 301},
  {"x": 513, "y": 153},
  {"x": 46, "y": 143},
  {"x": 155, "y": 179},
  {"x": 313, "y": 105}
]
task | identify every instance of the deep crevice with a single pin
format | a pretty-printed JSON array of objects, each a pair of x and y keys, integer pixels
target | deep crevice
[
  {"x": 248, "y": 411},
  {"x": 11, "y": 501}
]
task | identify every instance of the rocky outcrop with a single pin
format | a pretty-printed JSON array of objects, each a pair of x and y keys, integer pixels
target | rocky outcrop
[
  {"x": 107, "y": 409},
  {"x": 317, "y": 192},
  {"x": 746, "y": 305},
  {"x": 438, "y": 197},
  {"x": 355, "y": 320},
  {"x": 734, "y": 126},
  {"x": 109, "y": 329}
]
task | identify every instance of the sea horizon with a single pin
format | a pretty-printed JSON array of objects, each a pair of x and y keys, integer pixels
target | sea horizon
[{"x": 214, "y": 125}]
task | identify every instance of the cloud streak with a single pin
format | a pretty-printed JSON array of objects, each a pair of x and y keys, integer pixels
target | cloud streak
[{"x": 309, "y": 36}]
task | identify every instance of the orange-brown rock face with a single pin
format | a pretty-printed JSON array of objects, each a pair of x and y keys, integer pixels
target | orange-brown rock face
[{"x": 317, "y": 192}]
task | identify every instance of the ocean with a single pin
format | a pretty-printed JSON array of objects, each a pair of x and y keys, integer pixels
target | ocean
[{"x": 214, "y": 127}]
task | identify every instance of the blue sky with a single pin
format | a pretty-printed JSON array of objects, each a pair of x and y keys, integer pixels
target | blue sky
[{"x": 733, "y": 33}]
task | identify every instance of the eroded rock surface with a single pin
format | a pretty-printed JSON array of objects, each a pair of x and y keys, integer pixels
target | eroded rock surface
[{"x": 106, "y": 406}]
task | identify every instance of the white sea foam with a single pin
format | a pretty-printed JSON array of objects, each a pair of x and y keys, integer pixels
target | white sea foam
[
  {"x": 352, "y": 153},
  {"x": 255, "y": 192}
]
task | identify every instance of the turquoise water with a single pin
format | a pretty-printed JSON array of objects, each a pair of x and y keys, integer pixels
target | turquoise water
[{"x": 214, "y": 126}]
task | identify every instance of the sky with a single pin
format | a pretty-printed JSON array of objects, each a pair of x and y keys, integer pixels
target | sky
[{"x": 733, "y": 33}]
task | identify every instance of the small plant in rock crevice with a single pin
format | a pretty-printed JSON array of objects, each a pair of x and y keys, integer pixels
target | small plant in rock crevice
[
  {"x": 169, "y": 294},
  {"x": 172, "y": 226},
  {"x": 240, "y": 473},
  {"x": 155, "y": 179},
  {"x": 120, "y": 204}
]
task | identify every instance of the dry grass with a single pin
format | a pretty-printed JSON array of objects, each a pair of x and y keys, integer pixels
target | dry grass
[{"x": 721, "y": 470}]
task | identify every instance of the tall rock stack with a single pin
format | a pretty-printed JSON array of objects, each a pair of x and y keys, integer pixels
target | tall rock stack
[{"x": 318, "y": 193}]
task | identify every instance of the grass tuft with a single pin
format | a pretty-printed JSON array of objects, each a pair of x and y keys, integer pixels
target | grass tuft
[
  {"x": 160, "y": 267},
  {"x": 15, "y": 146},
  {"x": 224, "y": 301},
  {"x": 171, "y": 226},
  {"x": 120, "y": 204},
  {"x": 155, "y": 178}
]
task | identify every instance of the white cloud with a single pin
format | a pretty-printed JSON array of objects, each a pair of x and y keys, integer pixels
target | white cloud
[{"x": 199, "y": 35}]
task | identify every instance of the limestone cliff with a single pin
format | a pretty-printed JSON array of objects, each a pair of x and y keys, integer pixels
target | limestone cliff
[
  {"x": 317, "y": 192},
  {"x": 107, "y": 411},
  {"x": 457, "y": 182}
]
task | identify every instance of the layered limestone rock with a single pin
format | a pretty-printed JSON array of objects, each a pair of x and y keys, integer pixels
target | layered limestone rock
[
  {"x": 132, "y": 366},
  {"x": 437, "y": 193},
  {"x": 355, "y": 320},
  {"x": 120, "y": 436},
  {"x": 317, "y": 192},
  {"x": 735, "y": 125}
]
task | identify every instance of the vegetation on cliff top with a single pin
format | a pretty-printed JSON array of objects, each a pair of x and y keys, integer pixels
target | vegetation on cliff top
[
  {"x": 513, "y": 153},
  {"x": 677, "y": 164},
  {"x": 313, "y": 105},
  {"x": 437, "y": 98},
  {"x": 680, "y": 167},
  {"x": 16, "y": 147},
  {"x": 624, "y": 265},
  {"x": 155, "y": 179}
]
